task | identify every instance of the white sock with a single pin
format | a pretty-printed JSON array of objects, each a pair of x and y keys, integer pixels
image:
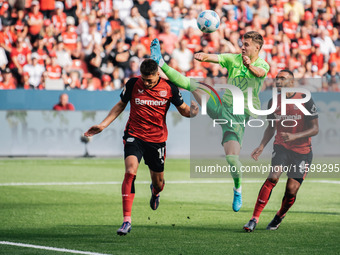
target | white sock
[
  {"x": 161, "y": 62},
  {"x": 239, "y": 189}
]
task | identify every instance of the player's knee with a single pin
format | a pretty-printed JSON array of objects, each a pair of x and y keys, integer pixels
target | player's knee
[
  {"x": 273, "y": 180},
  {"x": 291, "y": 192},
  {"x": 233, "y": 160}
]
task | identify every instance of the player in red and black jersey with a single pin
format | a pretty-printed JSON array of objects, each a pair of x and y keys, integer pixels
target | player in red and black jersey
[
  {"x": 146, "y": 131},
  {"x": 292, "y": 151}
]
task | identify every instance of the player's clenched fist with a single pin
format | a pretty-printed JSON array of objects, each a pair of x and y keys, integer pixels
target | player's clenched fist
[
  {"x": 246, "y": 61},
  {"x": 200, "y": 56},
  {"x": 94, "y": 130}
]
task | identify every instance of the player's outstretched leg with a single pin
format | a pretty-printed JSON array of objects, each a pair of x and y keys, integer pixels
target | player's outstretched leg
[
  {"x": 154, "y": 200},
  {"x": 175, "y": 77},
  {"x": 250, "y": 226},
  {"x": 124, "y": 229}
]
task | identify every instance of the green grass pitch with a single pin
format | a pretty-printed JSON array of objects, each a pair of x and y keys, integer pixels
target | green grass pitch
[{"x": 192, "y": 218}]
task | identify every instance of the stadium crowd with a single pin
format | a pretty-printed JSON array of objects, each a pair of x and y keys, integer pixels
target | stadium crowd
[{"x": 99, "y": 44}]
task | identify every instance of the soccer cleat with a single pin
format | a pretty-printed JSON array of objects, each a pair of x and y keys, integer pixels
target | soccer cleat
[
  {"x": 155, "y": 49},
  {"x": 250, "y": 226},
  {"x": 237, "y": 202},
  {"x": 275, "y": 223},
  {"x": 154, "y": 201},
  {"x": 124, "y": 229}
]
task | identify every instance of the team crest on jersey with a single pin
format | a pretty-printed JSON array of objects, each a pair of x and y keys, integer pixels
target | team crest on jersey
[{"x": 163, "y": 93}]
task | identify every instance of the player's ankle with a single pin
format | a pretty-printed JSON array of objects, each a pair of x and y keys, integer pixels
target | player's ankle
[{"x": 127, "y": 219}]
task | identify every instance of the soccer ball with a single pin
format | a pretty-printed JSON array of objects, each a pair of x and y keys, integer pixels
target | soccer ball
[{"x": 208, "y": 21}]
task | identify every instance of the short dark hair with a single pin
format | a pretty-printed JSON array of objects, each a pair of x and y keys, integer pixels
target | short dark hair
[
  {"x": 287, "y": 71},
  {"x": 149, "y": 67},
  {"x": 255, "y": 36}
]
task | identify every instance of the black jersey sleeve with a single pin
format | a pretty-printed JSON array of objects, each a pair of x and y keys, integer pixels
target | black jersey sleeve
[
  {"x": 311, "y": 107},
  {"x": 270, "y": 116},
  {"x": 127, "y": 90},
  {"x": 177, "y": 98}
]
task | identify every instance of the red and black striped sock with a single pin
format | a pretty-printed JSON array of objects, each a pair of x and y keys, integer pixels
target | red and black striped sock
[{"x": 287, "y": 203}]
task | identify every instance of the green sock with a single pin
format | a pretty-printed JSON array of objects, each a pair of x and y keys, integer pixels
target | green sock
[
  {"x": 235, "y": 164},
  {"x": 178, "y": 79}
]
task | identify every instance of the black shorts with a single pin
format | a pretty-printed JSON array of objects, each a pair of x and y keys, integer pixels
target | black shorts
[
  {"x": 153, "y": 153},
  {"x": 295, "y": 164}
]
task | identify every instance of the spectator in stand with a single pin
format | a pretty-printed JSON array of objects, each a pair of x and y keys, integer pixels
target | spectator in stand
[
  {"x": 197, "y": 71},
  {"x": 332, "y": 78},
  {"x": 190, "y": 20},
  {"x": 35, "y": 21},
  {"x": 263, "y": 11},
  {"x": 63, "y": 56},
  {"x": 243, "y": 13},
  {"x": 53, "y": 70},
  {"x": 120, "y": 55},
  {"x": 20, "y": 56},
  {"x": 94, "y": 61},
  {"x": 305, "y": 42},
  {"x": 194, "y": 41},
  {"x": 134, "y": 24},
  {"x": 183, "y": 56},
  {"x": 34, "y": 71},
  {"x": 117, "y": 81},
  {"x": 105, "y": 7},
  {"x": 47, "y": 8},
  {"x": 8, "y": 82},
  {"x": 73, "y": 81},
  {"x": 107, "y": 85},
  {"x": 64, "y": 104},
  {"x": 20, "y": 26},
  {"x": 297, "y": 8},
  {"x": 49, "y": 35},
  {"x": 290, "y": 27},
  {"x": 146, "y": 40},
  {"x": 41, "y": 50},
  {"x": 70, "y": 38},
  {"x": 327, "y": 46},
  {"x": 169, "y": 39},
  {"x": 73, "y": 8},
  {"x": 7, "y": 38},
  {"x": 59, "y": 18},
  {"x": 166, "y": 56},
  {"x": 3, "y": 59},
  {"x": 5, "y": 7},
  {"x": 319, "y": 60},
  {"x": 90, "y": 39},
  {"x": 124, "y": 7},
  {"x": 144, "y": 9},
  {"x": 117, "y": 24},
  {"x": 160, "y": 9},
  {"x": 104, "y": 26},
  {"x": 133, "y": 70},
  {"x": 176, "y": 22}
]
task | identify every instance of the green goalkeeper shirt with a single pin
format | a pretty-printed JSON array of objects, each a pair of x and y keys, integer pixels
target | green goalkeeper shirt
[{"x": 241, "y": 77}]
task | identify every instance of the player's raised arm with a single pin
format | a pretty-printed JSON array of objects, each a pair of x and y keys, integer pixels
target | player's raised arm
[
  {"x": 113, "y": 114},
  {"x": 205, "y": 57}
]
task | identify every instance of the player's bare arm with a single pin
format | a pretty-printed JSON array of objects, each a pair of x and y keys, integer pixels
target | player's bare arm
[
  {"x": 188, "y": 111},
  {"x": 113, "y": 114},
  {"x": 267, "y": 136},
  {"x": 204, "y": 57},
  {"x": 311, "y": 131}
]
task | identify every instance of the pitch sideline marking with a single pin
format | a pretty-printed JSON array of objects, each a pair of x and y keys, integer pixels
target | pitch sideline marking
[
  {"x": 50, "y": 248},
  {"x": 145, "y": 182}
]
